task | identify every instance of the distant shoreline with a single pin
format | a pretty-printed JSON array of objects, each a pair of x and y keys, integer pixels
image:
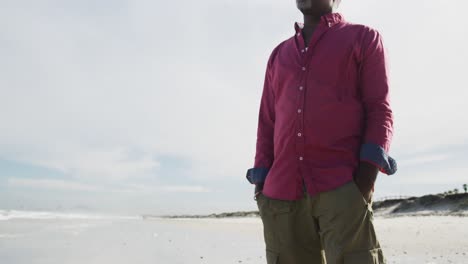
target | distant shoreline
[{"x": 427, "y": 205}]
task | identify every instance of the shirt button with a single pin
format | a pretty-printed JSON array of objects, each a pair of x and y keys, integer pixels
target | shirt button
[
  {"x": 299, "y": 110},
  {"x": 299, "y": 134},
  {"x": 300, "y": 88},
  {"x": 302, "y": 50},
  {"x": 301, "y": 158},
  {"x": 303, "y": 68},
  {"x": 298, "y": 34}
]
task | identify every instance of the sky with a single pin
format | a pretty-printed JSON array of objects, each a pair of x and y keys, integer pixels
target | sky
[{"x": 151, "y": 107}]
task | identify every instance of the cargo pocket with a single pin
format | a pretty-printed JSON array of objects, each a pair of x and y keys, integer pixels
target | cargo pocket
[
  {"x": 275, "y": 217},
  {"x": 372, "y": 256},
  {"x": 281, "y": 214},
  {"x": 280, "y": 206},
  {"x": 267, "y": 220}
]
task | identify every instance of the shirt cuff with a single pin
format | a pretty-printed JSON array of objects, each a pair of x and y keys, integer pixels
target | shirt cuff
[
  {"x": 376, "y": 155},
  {"x": 257, "y": 175}
]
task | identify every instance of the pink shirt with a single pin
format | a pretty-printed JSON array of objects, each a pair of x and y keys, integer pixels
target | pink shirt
[{"x": 323, "y": 108}]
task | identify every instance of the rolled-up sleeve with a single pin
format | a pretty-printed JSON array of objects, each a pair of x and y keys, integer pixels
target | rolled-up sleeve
[
  {"x": 374, "y": 89},
  {"x": 264, "y": 154}
]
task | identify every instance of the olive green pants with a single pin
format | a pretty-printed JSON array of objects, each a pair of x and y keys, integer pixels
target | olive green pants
[{"x": 334, "y": 227}]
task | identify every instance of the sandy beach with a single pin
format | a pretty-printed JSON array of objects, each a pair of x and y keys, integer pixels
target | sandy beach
[{"x": 412, "y": 240}]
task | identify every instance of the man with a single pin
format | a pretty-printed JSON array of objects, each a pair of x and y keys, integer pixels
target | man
[{"x": 324, "y": 132}]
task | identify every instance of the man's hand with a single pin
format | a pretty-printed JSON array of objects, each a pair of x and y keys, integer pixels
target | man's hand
[
  {"x": 365, "y": 179},
  {"x": 258, "y": 188}
]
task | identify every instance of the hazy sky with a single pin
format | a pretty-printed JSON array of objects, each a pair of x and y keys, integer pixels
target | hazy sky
[{"x": 151, "y": 106}]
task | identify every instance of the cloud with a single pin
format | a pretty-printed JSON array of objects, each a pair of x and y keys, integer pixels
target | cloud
[
  {"x": 424, "y": 159},
  {"x": 68, "y": 185},
  {"x": 81, "y": 162},
  {"x": 171, "y": 189},
  {"x": 51, "y": 184},
  {"x": 439, "y": 176}
]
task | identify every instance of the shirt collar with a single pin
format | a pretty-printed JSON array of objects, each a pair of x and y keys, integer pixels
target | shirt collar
[{"x": 328, "y": 19}]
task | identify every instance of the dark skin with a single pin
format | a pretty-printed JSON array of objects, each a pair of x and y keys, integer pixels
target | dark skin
[{"x": 366, "y": 173}]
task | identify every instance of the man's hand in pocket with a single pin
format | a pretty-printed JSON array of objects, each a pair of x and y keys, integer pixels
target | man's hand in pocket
[
  {"x": 258, "y": 188},
  {"x": 365, "y": 179}
]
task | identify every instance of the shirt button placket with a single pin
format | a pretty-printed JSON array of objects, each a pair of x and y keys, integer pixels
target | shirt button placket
[
  {"x": 300, "y": 137},
  {"x": 300, "y": 118}
]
